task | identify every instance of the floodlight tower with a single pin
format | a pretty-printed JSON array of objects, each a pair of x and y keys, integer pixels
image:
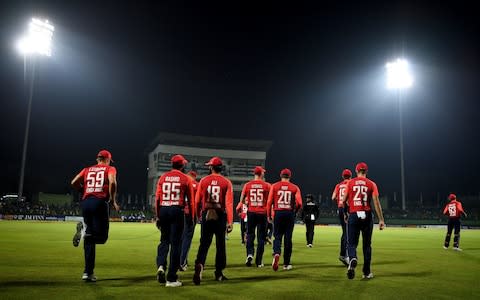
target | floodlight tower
[
  {"x": 399, "y": 78},
  {"x": 37, "y": 41}
]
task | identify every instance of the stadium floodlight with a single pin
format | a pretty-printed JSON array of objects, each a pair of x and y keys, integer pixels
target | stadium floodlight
[
  {"x": 398, "y": 74},
  {"x": 38, "y": 39},
  {"x": 400, "y": 78}
]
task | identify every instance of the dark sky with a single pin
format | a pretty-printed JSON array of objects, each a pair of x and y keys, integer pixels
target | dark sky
[{"x": 309, "y": 77}]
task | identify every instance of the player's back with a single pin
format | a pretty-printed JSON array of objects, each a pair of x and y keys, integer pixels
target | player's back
[
  {"x": 213, "y": 189},
  {"x": 171, "y": 188},
  {"x": 340, "y": 191},
  {"x": 360, "y": 192},
  {"x": 256, "y": 195},
  {"x": 96, "y": 182},
  {"x": 283, "y": 192},
  {"x": 453, "y": 209}
]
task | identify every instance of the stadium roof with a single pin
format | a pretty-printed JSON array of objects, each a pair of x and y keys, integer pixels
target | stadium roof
[{"x": 209, "y": 142}]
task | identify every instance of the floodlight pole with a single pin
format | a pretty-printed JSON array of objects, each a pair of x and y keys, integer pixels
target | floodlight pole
[
  {"x": 27, "y": 126},
  {"x": 402, "y": 161}
]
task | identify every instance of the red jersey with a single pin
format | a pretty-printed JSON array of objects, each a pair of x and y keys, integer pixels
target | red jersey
[
  {"x": 281, "y": 195},
  {"x": 359, "y": 193},
  {"x": 256, "y": 196},
  {"x": 242, "y": 210},
  {"x": 172, "y": 188},
  {"x": 187, "y": 207},
  {"x": 339, "y": 191},
  {"x": 453, "y": 209},
  {"x": 95, "y": 181},
  {"x": 215, "y": 191}
]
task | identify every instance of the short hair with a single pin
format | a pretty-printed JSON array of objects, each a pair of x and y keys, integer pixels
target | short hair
[
  {"x": 217, "y": 169},
  {"x": 284, "y": 176},
  {"x": 101, "y": 159},
  {"x": 178, "y": 166},
  {"x": 362, "y": 171}
]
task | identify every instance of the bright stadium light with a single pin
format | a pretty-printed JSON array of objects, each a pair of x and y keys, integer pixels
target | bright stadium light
[
  {"x": 38, "y": 39},
  {"x": 400, "y": 78},
  {"x": 36, "y": 42},
  {"x": 398, "y": 74}
]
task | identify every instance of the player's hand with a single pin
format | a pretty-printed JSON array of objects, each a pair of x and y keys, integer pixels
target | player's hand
[
  {"x": 381, "y": 225},
  {"x": 269, "y": 220},
  {"x": 116, "y": 206},
  {"x": 229, "y": 228},
  {"x": 157, "y": 223}
]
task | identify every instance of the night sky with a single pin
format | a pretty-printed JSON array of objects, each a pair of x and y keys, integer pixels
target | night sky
[{"x": 310, "y": 77}]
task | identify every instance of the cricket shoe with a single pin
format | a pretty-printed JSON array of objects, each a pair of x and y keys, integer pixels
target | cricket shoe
[
  {"x": 351, "y": 268},
  {"x": 183, "y": 267},
  {"x": 261, "y": 265},
  {"x": 197, "y": 276},
  {"x": 444, "y": 247},
  {"x": 78, "y": 235},
  {"x": 276, "y": 258},
  {"x": 287, "y": 267},
  {"x": 84, "y": 276},
  {"x": 219, "y": 276},
  {"x": 173, "y": 283},
  {"x": 161, "y": 275},
  {"x": 369, "y": 276},
  {"x": 344, "y": 260},
  {"x": 309, "y": 245},
  {"x": 269, "y": 240},
  {"x": 90, "y": 278},
  {"x": 248, "y": 262},
  {"x": 457, "y": 249}
]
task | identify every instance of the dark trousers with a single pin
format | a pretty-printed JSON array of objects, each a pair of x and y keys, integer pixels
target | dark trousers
[
  {"x": 310, "y": 230},
  {"x": 95, "y": 217},
  {"x": 187, "y": 237},
  {"x": 210, "y": 228},
  {"x": 171, "y": 229},
  {"x": 283, "y": 224},
  {"x": 243, "y": 229},
  {"x": 453, "y": 223},
  {"x": 354, "y": 227},
  {"x": 343, "y": 238},
  {"x": 256, "y": 222}
]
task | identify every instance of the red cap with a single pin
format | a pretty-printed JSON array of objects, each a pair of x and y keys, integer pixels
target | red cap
[
  {"x": 214, "y": 161},
  {"x": 346, "y": 173},
  {"x": 361, "y": 166},
  {"x": 259, "y": 170},
  {"x": 105, "y": 154},
  {"x": 452, "y": 197},
  {"x": 286, "y": 172},
  {"x": 193, "y": 174},
  {"x": 179, "y": 159}
]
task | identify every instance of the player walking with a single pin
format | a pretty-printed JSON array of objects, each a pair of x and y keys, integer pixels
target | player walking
[
  {"x": 454, "y": 211},
  {"x": 310, "y": 213},
  {"x": 214, "y": 201},
  {"x": 242, "y": 210},
  {"x": 280, "y": 196},
  {"x": 337, "y": 194},
  {"x": 173, "y": 188},
  {"x": 358, "y": 196},
  {"x": 189, "y": 229},
  {"x": 255, "y": 195},
  {"x": 99, "y": 186}
]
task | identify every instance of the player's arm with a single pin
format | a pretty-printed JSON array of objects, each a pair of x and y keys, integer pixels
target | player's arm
[
  {"x": 191, "y": 198},
  {"x": 198, "y": 199},
  {"x": 242, "y": 195},
  {"x": 335, "y": 193},
  {"x": 378, "y": 207},
  {"x": 460, "y": 209},
  {"x": 112, "y": 188},
  {"x": 229, "y": 207},
  {"x": 269, "y": 204},
  {"x": 445, "y": 210},
  {"x": 78, "y": 180},
  {"x": 298, "y": 200}
]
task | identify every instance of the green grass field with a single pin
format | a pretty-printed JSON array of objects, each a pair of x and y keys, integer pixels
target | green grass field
[{"x": 38, "y": 261}]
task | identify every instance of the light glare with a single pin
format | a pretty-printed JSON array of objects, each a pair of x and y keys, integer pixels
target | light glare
[
  {"x": 38, "y": 39},
  {"x": 398, "y": 74}
]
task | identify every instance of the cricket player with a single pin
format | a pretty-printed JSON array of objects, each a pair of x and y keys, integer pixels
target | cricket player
[
  {"x": 242, "y": 210},
  {"x": 358, "y": 196},
  {"x": 99, "y": 184},
  {"x": 214, "y": 202},
  {"x": 286, "y": 199},
  {"x": 255, "y": 195},
  {"x": 173, "y": 188},
  {"x": 189, "y": 227},
  {"x": 337, "y": 194},
  {"x": 454, "y": 211}
]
